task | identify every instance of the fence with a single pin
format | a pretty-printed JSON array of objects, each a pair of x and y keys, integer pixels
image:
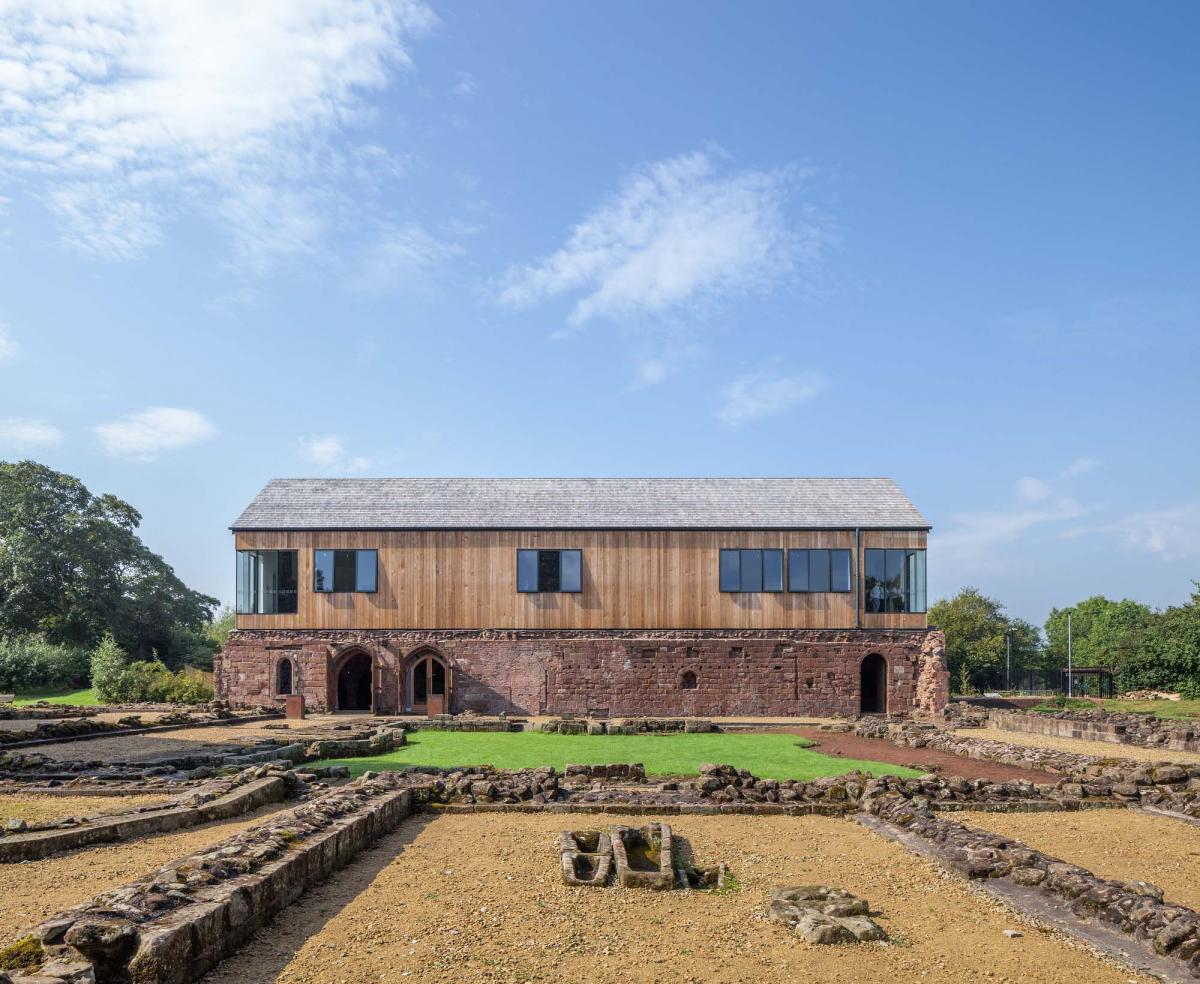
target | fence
[{"x": 1088, "y": 681}]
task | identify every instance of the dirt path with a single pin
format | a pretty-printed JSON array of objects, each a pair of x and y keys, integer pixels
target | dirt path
[
  {"x": 1105, "y": 749},
  {"x": 478, "y": 898},
  {"x": 34, "y": 890},
  {"x": 878, "y": 750},
  {"x": 43, "y": 808},
  {"x": 1123, "y": 844}
]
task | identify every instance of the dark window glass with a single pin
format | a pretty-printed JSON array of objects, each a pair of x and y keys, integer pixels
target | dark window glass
[
  {"x": 894, "y": 581},
  {"x": 894, "y": 575},
  {"x": 839, "y": 570},
  {"x": 366, "y": 563},
  {"x": 874, "y": 581},
  {"x": 752, "y": 570},
  {"x": 266, "y": 582},
  {"x": 322, "y": 570},
  {"x": 772, "y": 564},
  {"x": 344, "y": 570},
  {"x": 797, "y": 570},
  {"x": 548, "y": 570},
  {"x": 570, "y": 570},
  {"x": 818, "y": 570},
  {"x": 285, "y": 676},
  {"x": 527, "y": 570},
  {"x": 731, "y": 570}
]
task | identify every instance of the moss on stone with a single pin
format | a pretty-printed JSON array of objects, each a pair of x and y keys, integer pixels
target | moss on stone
[{"x": 25, "y": 954}]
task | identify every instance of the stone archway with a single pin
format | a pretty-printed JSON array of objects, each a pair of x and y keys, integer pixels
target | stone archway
[
  {"x": 353, "y": 682},
  {"x": 428, "y": 683},
  {"x": 872, "y": 685}
]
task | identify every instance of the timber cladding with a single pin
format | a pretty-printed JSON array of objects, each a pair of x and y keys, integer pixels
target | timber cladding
[{"x": 632, "y": 579}]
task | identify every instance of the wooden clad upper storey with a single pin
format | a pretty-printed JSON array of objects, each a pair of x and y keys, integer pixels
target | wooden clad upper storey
[{"x": 445, "y": 553}]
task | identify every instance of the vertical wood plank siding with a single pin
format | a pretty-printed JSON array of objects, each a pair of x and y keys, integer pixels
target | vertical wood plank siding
[{"x": 632, "y": 579}]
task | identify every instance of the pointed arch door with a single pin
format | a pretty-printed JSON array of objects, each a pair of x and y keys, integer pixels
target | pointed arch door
[{"x": 428, "y": 685}]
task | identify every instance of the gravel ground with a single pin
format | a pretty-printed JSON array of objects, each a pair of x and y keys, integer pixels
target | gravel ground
[
  {"x": 42, "y": 808},
  {"x": 478, "y": 898},
  {"x": 1106, "y": 749},
  {"x": 34, "y": 890},
  {"x": 1124, "y": 844},
  {"x": 134, "y": 748}
]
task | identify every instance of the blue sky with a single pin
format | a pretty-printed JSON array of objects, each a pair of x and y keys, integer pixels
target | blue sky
[{"x": 954, "y": 244}]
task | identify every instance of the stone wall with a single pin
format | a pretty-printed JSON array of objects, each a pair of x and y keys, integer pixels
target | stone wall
[
  {"x": 1145, "y": 731},
  {"x": 661, "y": 673}
]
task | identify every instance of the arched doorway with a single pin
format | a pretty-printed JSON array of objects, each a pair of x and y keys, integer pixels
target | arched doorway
[
  {"x": 427, "y": 685},
  {"x": 354, "y": 683},
  {"x": 872, "y": 685}
]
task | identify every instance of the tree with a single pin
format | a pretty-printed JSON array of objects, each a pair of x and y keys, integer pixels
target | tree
[
  {"x": 72, "y": 567},
  {"x": 1103, "y": 632},
  {"x": 977, "y": 630},
  {"x": 108, "y": 668},
  {"x": 1168, "y": 654}
]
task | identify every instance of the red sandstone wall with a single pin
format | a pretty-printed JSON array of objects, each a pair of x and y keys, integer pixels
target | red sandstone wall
[{"x": 814, "y": 672}]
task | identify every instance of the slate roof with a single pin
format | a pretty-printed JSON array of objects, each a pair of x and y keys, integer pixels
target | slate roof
[{"x": 579, "y": 503}]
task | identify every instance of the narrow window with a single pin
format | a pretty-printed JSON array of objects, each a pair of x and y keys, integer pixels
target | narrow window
[
  {"x": 285, "y": 677},
  {"x": 839, "y": 570},
  {"x": 797, "y": 570},
  {"x": 550, "y": 570},
  {"x": 266, "y": 582},
  {"x": 688, "y": 681},
  {"x": 752, "y": 570},
  {"x": 731, "y": 570},
  {"x": 772, "y": 561},
  {"x": 818, "y": 570},
  {"x": 344, "y": 570}
]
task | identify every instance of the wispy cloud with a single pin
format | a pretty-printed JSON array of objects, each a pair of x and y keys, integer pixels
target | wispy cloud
[
  {"x": 755, "y": 395},
  {"x": 144, "y": 435},
  {"x": 465, "y": 87},
  {"x": 8, "y": 345},
  {"x": 1171, "y": 533},
  {"x": 328, "y": 453},
  {"x": 134, "y": 111},
  {"x": 1080, "y": 466},
  {"x": 401, "y": 256},
  {"x": 677, "y": 232},
  {"x": 22, "y": 433},
  {"x": 1032, "y": 489}
]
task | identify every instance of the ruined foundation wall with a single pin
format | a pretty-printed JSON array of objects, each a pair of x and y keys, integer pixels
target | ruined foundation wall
[{"x": 671, "y": 673}]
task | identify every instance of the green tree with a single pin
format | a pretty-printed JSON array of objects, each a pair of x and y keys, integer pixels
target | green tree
[
  {"x": 1168, "y": 654},
  {"x": 73, "y": 567},
  {"x": 108, "y": 669},
  {"x": 977, "y": 629},
  {"x": 1103, "y": 632}
]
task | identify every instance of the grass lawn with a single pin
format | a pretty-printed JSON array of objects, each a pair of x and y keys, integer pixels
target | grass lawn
[
  {"x": 83, "y": 698},
  {"x": 1179, "y": 709},
  {"x": 770, "y": 756}
]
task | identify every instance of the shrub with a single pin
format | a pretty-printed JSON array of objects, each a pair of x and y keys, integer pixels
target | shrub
[
  {"x": 108, "y": 668},
  {"x": 118, "y": 681},
  {"x": 31, "y": 663}
]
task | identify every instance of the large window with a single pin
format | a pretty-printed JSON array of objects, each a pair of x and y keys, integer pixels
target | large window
[
  {"x": 818, "y": 570},
  {"x": 549, "y": 570},
  {"x": 751, "y": 570},
  {"x": 266, "y": 582},
  {"x": 344, "y": 570},
  {"x": 894, "y": 580}
]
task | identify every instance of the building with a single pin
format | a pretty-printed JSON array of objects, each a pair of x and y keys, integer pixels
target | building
[{"x": 707, "y": 596}]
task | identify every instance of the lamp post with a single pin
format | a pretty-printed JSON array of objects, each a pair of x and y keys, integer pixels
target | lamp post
[
  {"x": 1008, "y": 661},
  {"x": 1070, "y": 676}
]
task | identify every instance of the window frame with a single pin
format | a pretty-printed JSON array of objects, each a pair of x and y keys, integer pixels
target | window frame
[
  {"x": 808, "y": 570},
  {"x": 762, "y": 570},
  {"x": 909, "y": 593},
  {"x": 256, "y": 590},
  {"x": 333, "y": 588},
  {"x": 537, "y": 568}
]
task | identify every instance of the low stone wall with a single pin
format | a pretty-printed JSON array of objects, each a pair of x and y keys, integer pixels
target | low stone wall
[
  {"x": 248, "y": 791},
  {"x": 57, "y": 732},
  {"x": 44, "y": 712},
  {"x": 175, "y": 925},
  {"x": 627, "y": 726},
  {"x": 1135, "y": 909},
  {"x": 1142, "y": 730},
  {"x": 462, "y": 722}
]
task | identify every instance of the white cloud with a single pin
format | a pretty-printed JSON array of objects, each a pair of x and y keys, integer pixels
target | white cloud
[
  {"x": 137, "y": 109},
  {"x": 401, "y": 255},
  {"x": 8, "y": 347},
  {"x": 143, "y": 435},
  {"x": 677, "y": 232},
  {"x": 465, "y": 87},
  {"x": 329, "y": 453},
  {"x": 1032, "y": 489},
  {"x": 977, "y": 542},
  {"x": 21, "y": 433},
  {"x": 1171, "y": 533},
  {"x": 1080, "y": 466},
  {"x": 765, "y": 394}
]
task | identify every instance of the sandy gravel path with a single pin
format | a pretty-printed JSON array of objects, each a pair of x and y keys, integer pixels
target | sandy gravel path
[
  {"x": 1105, "y": 749},
  {"x": 34, "y": 890},
  {"x": 478, "y": 898},
  {"x": 1124, "y": 844},
  {"x": 42, "y": 808}
]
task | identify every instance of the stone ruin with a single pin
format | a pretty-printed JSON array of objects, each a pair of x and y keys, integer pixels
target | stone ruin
[
  {"x": 633, "y": 857},
  {"x": 823, "y": 915}
]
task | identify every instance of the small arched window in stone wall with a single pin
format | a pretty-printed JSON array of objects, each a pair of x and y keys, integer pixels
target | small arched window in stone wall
[
  {"x": 688, "y": 681},
  {"x": 283, "y": 677}
]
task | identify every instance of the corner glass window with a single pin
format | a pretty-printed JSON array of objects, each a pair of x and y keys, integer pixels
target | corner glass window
[
  {"x": 894, "y": 580},
  {"x": 267, "y": 582},
  {"x": 540, "y": 571},
  {"x": 344, "y": 570},
  {"x": 751, "y": 570},
  {"x": 818, "y": 570}
]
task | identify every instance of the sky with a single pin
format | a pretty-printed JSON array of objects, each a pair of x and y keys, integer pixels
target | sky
[{"x": 953, "y": 244}]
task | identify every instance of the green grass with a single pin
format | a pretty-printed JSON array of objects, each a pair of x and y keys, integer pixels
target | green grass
[
  {"x": 770, "y": 756},
  {"x": 83, "y": 698},
  {"x": 1178, "y": 709}
]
